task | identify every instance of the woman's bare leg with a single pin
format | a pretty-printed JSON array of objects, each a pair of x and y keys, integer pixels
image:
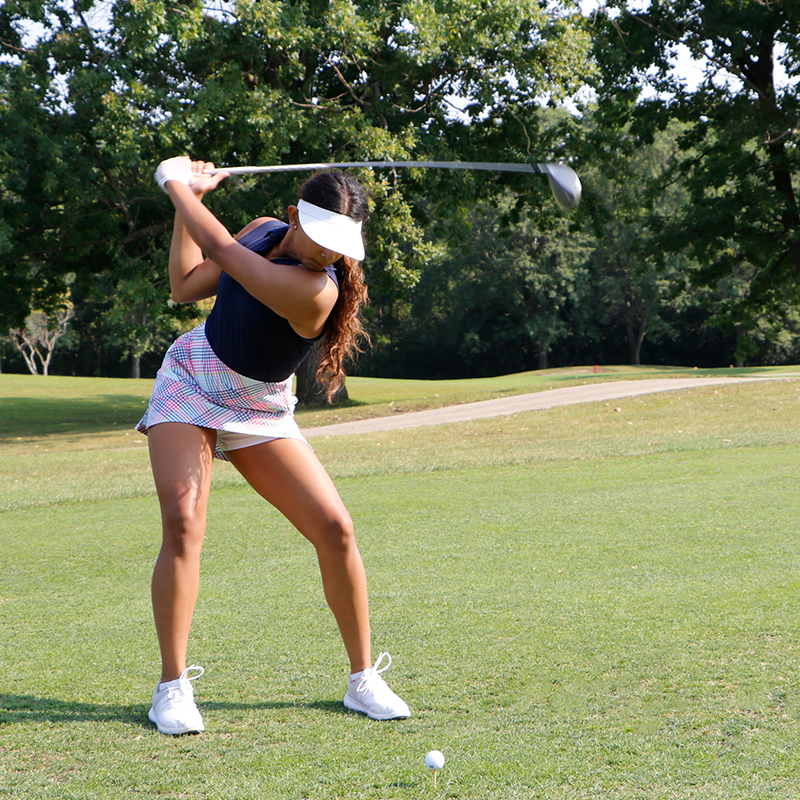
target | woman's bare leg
[
  {"x": 181, "y": 457},
  {"x": 287, "y": 474}
]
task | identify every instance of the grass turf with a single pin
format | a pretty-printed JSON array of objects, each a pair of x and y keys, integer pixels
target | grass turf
[{"x": 581, "y": 602}]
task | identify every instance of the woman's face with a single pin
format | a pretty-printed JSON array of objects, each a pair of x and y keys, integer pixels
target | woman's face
[{"x": 306, "y": 251}]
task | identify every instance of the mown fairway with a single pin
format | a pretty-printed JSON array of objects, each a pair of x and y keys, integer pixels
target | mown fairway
[{"x": 595, "y": 601}]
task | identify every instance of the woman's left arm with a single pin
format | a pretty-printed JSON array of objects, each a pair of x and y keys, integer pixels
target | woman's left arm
[{"x": 300, "y": 295}]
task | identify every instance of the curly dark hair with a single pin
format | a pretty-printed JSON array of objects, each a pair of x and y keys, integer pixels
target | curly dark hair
[{"x": 342, "y": 194}]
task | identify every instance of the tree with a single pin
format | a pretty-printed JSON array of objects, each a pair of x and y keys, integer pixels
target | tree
[
  {"x": 740, "y": 161},
  {"x": 638, "y": 279},
  {"x": 514, "y": 285},
  {"x": 39, "y": 337},
  {"x": 138, "y": 321},
  {"x": 97, "y": 101},
  {"x": 76, "y": 206}
]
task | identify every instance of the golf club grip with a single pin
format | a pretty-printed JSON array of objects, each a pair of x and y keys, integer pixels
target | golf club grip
[{"x": 487, "y": 166}]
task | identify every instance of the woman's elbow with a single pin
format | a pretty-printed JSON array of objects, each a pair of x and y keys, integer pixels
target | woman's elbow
[
  {"x": 188, "y": 293},
  {"x": 182, "y": 297},
  {"x": 215, "y": 246}
]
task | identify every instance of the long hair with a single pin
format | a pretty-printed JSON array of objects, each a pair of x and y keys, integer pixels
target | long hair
[{"x": 341, "y": 194}]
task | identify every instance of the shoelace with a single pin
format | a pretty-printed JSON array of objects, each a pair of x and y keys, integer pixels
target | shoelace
[
  {"x": 372, "y": 674},
  {"x": 185, "y": 673},
  {"x": 177, "y": 692}
]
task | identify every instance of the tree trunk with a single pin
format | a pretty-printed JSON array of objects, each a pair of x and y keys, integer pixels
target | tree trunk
[
  {"x": 741, "y": 334},
  {"x": 309, "y": 391},
  {"x": 636, "y": 355},
  {"x": 136, "y": 367},
  {"x": 635, "y": 339},
  {"x": 543, "y": 358},
  {"x": 31, "y": 362},
  {"x": 28, "y": 355},
  {"x": 46, "y": 361}
]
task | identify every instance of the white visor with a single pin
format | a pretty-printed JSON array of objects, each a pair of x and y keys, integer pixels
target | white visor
[{"x": 335, "y": 232}]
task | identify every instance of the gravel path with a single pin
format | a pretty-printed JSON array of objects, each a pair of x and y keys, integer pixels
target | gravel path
[{"x": 527, "y": 402}]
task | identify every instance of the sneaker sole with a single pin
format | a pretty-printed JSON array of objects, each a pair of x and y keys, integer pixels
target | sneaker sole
[
  {"x": 354, "y": 706},
  {"x": 188, "y": 729}
]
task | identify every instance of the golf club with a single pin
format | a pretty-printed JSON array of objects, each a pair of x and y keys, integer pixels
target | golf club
[{"x": 564, "y": 183}]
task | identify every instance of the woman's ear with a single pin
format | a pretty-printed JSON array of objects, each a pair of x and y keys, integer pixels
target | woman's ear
[{"x": 293, "y": 218}]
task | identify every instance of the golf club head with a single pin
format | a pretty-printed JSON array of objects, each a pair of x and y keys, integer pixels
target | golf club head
[{"x": 564, "y": 183}]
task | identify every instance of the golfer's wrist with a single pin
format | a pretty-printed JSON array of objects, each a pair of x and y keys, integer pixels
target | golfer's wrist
[
  {"x": 174, "y": 180},
  {"x": 172, "y": 187},
  {"x": 174, "y": 169}
]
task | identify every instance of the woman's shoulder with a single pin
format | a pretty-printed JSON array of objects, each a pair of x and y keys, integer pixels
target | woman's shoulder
[
  {"x": 257, "y": 223},
  {"x": 262, "y": 234}
]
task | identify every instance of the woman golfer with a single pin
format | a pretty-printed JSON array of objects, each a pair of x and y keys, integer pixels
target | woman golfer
[{"x": 224, "y": 390}]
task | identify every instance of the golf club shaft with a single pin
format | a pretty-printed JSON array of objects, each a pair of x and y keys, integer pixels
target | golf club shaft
[
  {"x": 564, "y": 183},
  {"x": 489, "y": 166}
]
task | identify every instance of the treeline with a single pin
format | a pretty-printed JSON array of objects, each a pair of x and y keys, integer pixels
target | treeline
[
  {"x": 685, "y": 250},
  {"x": 520, "y": 288}
]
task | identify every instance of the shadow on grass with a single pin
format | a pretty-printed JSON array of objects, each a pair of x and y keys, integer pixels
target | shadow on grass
[
  {"x": 16, "y": 709},
  {"x": 19, "y": 708},
  {"x": 33, "y": 416},
  {"x": 328, "y": 706},
  {"x": 24, "y": 417},
  {"x": 349, "y": 403}
]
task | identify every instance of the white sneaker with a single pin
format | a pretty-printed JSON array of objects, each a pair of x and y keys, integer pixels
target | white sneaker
[
  {"x": 174, "y": 710},
  {"x": 369, "y": 694}
]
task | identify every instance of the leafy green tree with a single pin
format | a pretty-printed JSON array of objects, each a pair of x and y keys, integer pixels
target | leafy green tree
[
  {"x": 137, "y": 321},
  {"x": 77, "y": 206},
  {"x": 511, "y": 285},
  {"x": 641, "y": 282},
  {"x": 739, "y": 162},
  {"x": 108, "y": 89}
]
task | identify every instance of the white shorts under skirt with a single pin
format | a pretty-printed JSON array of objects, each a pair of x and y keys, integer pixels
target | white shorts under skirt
[{"x": 194, "y": 387}]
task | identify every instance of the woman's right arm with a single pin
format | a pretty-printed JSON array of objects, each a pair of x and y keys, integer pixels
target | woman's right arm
[{"x": 191, "y": 277}]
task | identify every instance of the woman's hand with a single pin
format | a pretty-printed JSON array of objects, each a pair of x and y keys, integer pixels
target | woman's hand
[
  {"x": 174, "y": 169},
  {"x": 201, "y": 181},
  {"x": 190, "y": 173}
]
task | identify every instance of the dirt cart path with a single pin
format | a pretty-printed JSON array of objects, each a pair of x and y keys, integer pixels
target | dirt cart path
[{"x": 527, "y": 402}]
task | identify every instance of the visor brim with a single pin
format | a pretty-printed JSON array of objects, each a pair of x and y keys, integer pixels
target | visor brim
[{"x": 335, "y": 232}]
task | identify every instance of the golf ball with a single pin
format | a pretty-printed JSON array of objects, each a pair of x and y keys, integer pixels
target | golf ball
[{"x": 434, "y": 759}]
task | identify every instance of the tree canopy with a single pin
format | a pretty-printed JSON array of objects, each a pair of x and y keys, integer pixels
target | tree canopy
[
  {"x": 108, "y": 89},
  {"x": 688, "y": 233},
  {"x": 102, "y": 92},
  {"x": 739, "y": 160}
]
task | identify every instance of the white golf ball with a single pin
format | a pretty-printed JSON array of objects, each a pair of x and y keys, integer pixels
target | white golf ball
[{"x": 434, "y": 759}]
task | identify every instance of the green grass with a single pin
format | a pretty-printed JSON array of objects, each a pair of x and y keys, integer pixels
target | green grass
[
  {"x": 594, "y": 601},
  {"x": 82, "y": 406}
]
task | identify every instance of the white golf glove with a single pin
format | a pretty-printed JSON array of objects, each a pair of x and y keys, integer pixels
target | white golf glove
[{"x": 174, "y": 169}]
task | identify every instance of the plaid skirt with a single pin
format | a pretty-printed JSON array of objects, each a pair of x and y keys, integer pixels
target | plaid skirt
[{"x": 194, "y": 387}]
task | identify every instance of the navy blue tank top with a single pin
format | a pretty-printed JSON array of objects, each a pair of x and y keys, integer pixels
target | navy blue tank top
[{"x": 248, "y": 336}]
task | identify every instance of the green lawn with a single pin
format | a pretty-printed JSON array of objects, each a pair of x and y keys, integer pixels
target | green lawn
[{"x": 593, "y": 601}]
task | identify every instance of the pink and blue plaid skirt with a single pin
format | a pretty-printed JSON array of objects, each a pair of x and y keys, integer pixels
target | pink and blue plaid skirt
[{"x": 194, "y": 387}]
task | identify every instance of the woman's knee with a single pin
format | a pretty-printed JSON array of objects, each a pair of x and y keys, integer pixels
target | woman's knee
[
  {"x": 183, "y": 527},
  {"x": 335, "y": 534}
]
